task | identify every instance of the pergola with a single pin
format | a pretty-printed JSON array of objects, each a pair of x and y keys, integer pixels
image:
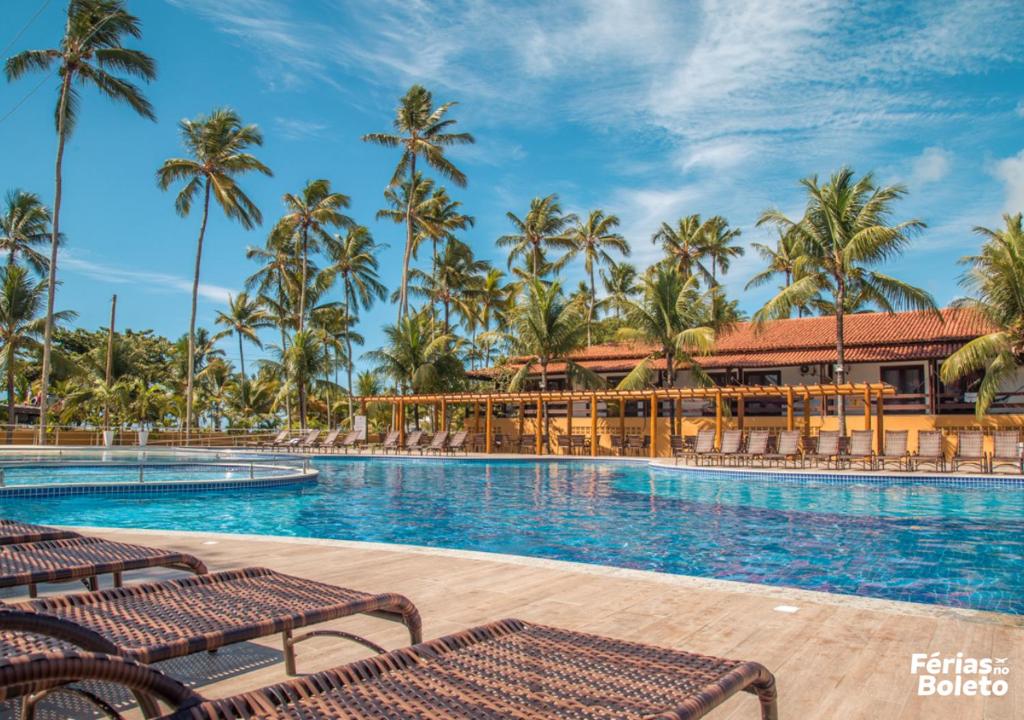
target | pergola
[{"x": 719, "y": 395}]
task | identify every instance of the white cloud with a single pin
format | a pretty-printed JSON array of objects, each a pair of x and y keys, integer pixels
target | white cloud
[
  {"x": 1011, "y": 171},
  {"x": 152, "y": 280},
  {"x": 932, "y": 165},
  {"x": 1020, "y": 109},
  {"x": 722, "y": 154},
  {"x": 298, "y": 129}
]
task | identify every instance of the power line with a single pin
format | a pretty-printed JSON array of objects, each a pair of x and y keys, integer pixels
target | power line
[
  {"x": 21, "y": 32},
  {"x": 24, "y": 99}
]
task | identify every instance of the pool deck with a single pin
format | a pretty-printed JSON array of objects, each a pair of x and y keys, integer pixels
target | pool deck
[{"x": 835, "y": 657}]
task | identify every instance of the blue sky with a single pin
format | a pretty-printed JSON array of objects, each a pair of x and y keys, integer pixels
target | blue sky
[{"x": 650, "y": 110}]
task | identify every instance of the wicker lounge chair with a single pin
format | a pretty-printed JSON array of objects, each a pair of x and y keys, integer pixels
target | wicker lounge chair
[
  {"x": 349, "y": 441},
  {"x": 413, "y": 440},
  {"x": 158, "y": 621},
  {"x": 827, "y": 448},
  {"x": 930, "y": 451},
  {"x": 1005, "y": 451},
  {"x": 272, "y": 442},
  {"x": 506, "y": 669},
  {"x": 730, "y": 448},
  {"x": 437, "y": 443},
  {"x": 787, "y": 448},
  {"x": 329, "y": 441},
  {"x": 704, "y": 446},
  {"x": 677, "y": 444},
  {"x": 634, "y": 444},
  {"x": 895, "y": 450},
  {"x": 859, "y": 451},
  {"x": 458, "y": 443},
  {"x": 83, "y": 558},
  {"x": 564, "y": 444},
  {"x": 618, "y": 444},
  {"x": 527, "y": 444},
  {"x": 13, "y": 532},
  {"x": 390, "y": 441},
  {"x": 970, "y": 450},
  {"x": 757, "y": 447},
  {"x": 309, "y": 441}
]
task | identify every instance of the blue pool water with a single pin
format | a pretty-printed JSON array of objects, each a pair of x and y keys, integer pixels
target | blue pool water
[
  {"x": 956, "y": 545},
  {"x": 18, "y": 475}
]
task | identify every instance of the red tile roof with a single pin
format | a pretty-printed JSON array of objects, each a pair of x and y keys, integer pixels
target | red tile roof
[{"x": 870, "y": 337}]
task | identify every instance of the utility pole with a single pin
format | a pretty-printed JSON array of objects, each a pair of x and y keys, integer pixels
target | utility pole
[{"x": 110, "y": 361}]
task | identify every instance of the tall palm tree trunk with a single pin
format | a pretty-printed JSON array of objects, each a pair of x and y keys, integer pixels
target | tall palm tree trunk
[
  {"x": 403, "y": 300},
  {"x": 348, "y": 353},
  {"x": 241, "y": 359},
  {"x": 302, "y": 289},
  {"x": 51, "y": 289},
  {"x": 192, "y": 317},
  {"x": 840, "y": 349},
  {"x": 10, "y": 393},
  {"x": 590, "y": 308}
]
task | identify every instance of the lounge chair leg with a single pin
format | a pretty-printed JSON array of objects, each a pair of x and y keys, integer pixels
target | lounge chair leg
[
  {"x": 289, "y": 653},
  {"x": 118, "y": 579},
  {"x": 33, "y": 590}
]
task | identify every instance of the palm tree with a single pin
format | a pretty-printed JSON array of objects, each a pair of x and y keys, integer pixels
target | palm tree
[
  {"x": 218, "y": 145},
  {"x": 593, "y": 238},
  {"x": 309, "y": 215},
  {"x": 445, "y": 218},
  {"x": 304, "y": 360},
  {"x": 717, "y": 245},
  {"x": 491, "y": 299},
  {"x": 779, "y": 260},
  {"x": 995, "y": 276},
  {"x": 353, "y": 258},
  {"x": 90, "y": 52},
  {"x": 545, "y": 327},
  {"x": 668, "y": 314},
  {"x": 843, "y": 232},
  {"x": 421, "y": 131},
  {"x": 543, "y": 228},
  {"x": 620, "y": 282},
  {"x": 244, "y": 317},
  {"x": 25, "y": 224},
  {"x": 411, "y": 202},
  {"x": 453, "y": 284},
  {"x": 684, "y": 245},
  {"x": 21, "y": 300}
]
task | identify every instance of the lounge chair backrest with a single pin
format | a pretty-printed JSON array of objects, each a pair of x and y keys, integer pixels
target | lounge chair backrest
[
  {"x": 413, "y": 438},
  {"x": 705, "y": 441},
  {"x": 929, "y": 444},
  {"x": 310, "y": 438},
  {"x": 1004, "y": 444},
  {"x": 969, "y": 444},
  {"x": 789, "y": 442},
  {"x": 828, "y": 442},
  {"x": 458, "y": 439},
  {"x": 731, "y": 441},
  {"x": 634, "y": 441},
  {"x": 439, "y": 440},
  {"x": 281, "y": 437},
  {"x": 350, "y": 438},
  {"x": 332, "y": 437},
  {"x": 391, "y": 439},
  {"x": 757, "y": 442},
  {"x": 563, "y": 441},
  {"x": 860, "y": 443},
  {"x": 895, "y": 443},
  {"x": 676, "y": 442}
]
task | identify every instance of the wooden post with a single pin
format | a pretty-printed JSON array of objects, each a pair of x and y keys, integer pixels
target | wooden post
[
  {"x": 741, "y": 410},
  {"x": 522, "y": 418},
  {"x": 593, "y": 424},
  {"x": 718, "y": 418},
  {"x": 879, "y": 421},
  {"x": 654, "y": 425},
  {"x": 789, "y": 408},
  {"x": 867, "y": 407},
  {"x": 622, "y": 419},
  {"x": 444, "y": 413},
  {"x": 807, "y": 413},
  {"x": 476, "y": 417},
  {"x": 568, "y": 420},
  {"x": 401, "y": 422},
  {"x": 487, "y": 427},
  {"x": 540, "y": 411}
]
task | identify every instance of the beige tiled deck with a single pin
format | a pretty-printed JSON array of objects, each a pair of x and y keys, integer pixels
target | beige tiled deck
[{"x": 837, "y": 657}]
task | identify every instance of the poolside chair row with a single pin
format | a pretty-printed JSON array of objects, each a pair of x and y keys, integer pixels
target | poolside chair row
[
  {"x": 827, "y": 450},
  {"x": 503, "y": 669},
  {"x": 419, "y": 441}
]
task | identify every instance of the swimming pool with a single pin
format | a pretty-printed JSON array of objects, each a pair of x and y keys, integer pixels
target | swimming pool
[{"x": 947, "y": 544}]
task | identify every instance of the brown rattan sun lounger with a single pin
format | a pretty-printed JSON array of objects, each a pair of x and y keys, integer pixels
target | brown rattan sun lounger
[
  {"x": 508, "y": 669},
  {"x": 730, "y": 449},
  {"x": 930, "y": 451},
  {"x": 329, "y": 441},
  {"x": 1005, "y": 451},
  {"x": 390, "y": 441},
  {"x": 860, "y": 451},
  {"x": 704, "y": 445},
  {"x": 458, "y": 442},
  {"x": 349, "y": 441},
  {"x": 895, "y": 450},
  {"x": 787, "y": 448},
  {"x": 757, "y": 447},
  {"x": 13, "y": 532},
  {"x": 970, "y": 450},
  {"x": 156, "y": 621},
  {"x": 635, "y": 443},
  {"x": 437, "y": 443},
  {"x": 83, "y": 558},
  {"x": 827, "y": 448},
  {"x": 412, "y": 440}
]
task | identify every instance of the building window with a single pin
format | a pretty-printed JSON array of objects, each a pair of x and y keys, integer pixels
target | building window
[
  {"x": 762, "y": 377},
  {"x": 907, "y": 379}
]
